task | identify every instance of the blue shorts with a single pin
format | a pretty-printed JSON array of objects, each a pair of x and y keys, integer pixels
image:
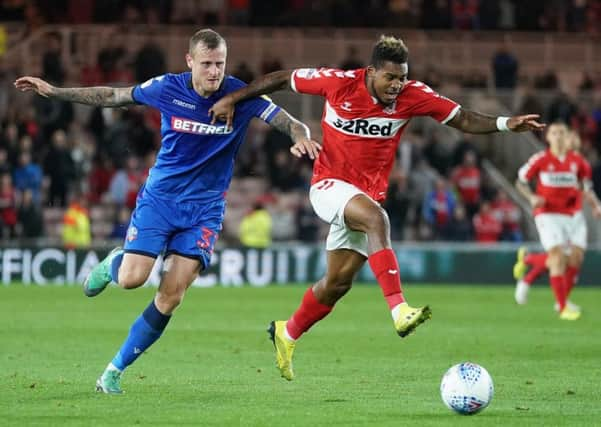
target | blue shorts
[{"x": 189, "y": 229}]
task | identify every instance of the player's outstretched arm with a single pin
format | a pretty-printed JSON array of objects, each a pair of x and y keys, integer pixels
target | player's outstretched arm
[
  {"x": 534, "y": 199},
  {"x": 591, "y": 198},
  {"x": 298, "y": 132},
  {"x": 474, "y": 122},
  {"x": 224, "y": 108},
  {"x": 101, "y": 96}
]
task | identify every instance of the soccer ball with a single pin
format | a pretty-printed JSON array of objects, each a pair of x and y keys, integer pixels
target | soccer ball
[{"x": 466, "y": 388}]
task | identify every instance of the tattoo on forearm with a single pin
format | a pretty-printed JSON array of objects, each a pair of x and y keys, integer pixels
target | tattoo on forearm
[
  {"x": 101, "y": 96},
  {"x": 290, "y": 126},
  {"x": 474, "y": 122}
]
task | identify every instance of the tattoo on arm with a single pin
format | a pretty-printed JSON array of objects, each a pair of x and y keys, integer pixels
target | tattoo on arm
[
  {"x": 101, "y": 96},
  {"x": 288, "y": 125},
  {"x": 263, "y": 85},
  {"x": 473, "y": 122}
]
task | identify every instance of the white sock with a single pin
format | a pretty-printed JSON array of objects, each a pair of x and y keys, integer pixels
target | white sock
[
  {"x": 396, "y": 311},
  {"x": 112, "y": 367},
  {"x": 287, "y": 335}
]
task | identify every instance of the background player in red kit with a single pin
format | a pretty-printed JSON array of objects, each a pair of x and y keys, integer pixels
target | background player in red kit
[
  {"x": 365, "y": 113},
  {"x": 563, "y": 178},
  {"x": 536, "y": 262}
]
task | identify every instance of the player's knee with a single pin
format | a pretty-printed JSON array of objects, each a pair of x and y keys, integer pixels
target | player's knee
[
  {"x": 132, "y": 278},
  {"x": 556, "y": 259},
  {"x": 378, "y": 221},
  {"x": 167, "y": 302}
]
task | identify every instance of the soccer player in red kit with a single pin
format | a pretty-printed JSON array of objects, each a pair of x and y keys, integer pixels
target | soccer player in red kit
[
  {"x": 529, "y": 266},
  {"x": 365, "y": 113},
  {"x": 563, "y": 179}
]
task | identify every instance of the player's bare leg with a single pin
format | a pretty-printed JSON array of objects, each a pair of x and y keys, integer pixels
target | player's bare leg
[
  {"x": 129, "y": 270},
  {"x": 317, "y": 303},
  {"x": 179, "y": 273},
  {"x": 363, "y": 214},
  {"x": 134, "y": 270}
]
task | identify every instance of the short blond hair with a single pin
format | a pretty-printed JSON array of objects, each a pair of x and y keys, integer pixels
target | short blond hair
[{"x": 211, "y": 39}]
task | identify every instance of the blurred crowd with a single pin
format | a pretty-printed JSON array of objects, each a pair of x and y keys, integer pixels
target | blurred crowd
[
  {"x": 536, "y": 15},
  {"x": 78, "y": 169}
]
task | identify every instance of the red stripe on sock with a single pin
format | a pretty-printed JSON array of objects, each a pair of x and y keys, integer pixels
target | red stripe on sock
[
  {"x": 386, "y": 269},
  {"x": 308, "y": 313},
  {"x": 559, "y": 289}
]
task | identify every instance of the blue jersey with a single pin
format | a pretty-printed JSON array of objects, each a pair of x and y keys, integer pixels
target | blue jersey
[{"x": 196, "y": 159}]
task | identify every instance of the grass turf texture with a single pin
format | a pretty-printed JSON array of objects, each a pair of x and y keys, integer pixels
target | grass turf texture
[{"x": 215, "y": 366}]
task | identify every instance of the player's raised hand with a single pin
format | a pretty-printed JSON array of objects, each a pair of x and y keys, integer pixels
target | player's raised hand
[
  {"x": 305, "y": 146},
  {"x": 536, "y": 201},
  {"x": 35, "y": 84},
  {"x": 223, "y": 110},
  {"x": 525, "y": 123}
]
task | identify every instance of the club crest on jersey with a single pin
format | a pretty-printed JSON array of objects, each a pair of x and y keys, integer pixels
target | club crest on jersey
[
  {"x": 180, "y": 124},
  {"x": 132, "y": 234}
]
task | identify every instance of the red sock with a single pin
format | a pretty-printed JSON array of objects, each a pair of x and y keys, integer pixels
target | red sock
[
  {"x": 308, "y": 313},
  {"x": 386, "y": 269},
  {"x": 533, "y": 274},
  {"x": 571, "y": 277},
  {"x": 559, "y": 289},
  {"x": 537, "y": 260}
]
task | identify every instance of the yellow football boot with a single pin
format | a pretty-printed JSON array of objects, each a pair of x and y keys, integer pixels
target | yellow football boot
[
  {"x": 284, "y": 348},
  {"x": 569, "y": 313},
  {"x": 410, "y": 318},
  {"x": 520, "y": 266}
]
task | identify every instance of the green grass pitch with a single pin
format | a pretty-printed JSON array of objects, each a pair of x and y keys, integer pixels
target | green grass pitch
[{"x": 215, "y": 367}]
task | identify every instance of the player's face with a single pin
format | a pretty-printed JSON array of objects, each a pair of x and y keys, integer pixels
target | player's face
[
  {"x": 557, "y": 136},
  {"x": 208, "y": 67},
  {"x": 385, "y": 83}
]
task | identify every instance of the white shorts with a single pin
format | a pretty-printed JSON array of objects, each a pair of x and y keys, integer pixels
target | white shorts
[
  {"x": 561, "y": 230},
  {"x": 329, "y": 197}
]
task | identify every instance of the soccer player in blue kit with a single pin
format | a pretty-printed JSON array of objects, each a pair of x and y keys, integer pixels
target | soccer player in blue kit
[{"x": 180, "y": 208}]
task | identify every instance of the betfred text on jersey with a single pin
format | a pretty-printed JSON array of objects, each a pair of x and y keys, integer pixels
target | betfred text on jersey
[{"x": 190, "y": 126}]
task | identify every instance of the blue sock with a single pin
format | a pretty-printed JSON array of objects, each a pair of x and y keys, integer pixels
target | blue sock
[
  {"x": 115, "y": 264},
  {"x": 143, "y": 333}
]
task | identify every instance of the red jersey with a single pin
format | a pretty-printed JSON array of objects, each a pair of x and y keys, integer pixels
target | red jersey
[
  {"x": 487, "y": 227},
  {"x": 508, "y": 213},
  {"x": 360, "y": 135},
  {"x": 467, "y": 181},
  {"x": 558, "y": 180}
]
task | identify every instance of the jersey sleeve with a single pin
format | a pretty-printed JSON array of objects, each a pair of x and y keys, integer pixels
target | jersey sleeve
[
  {"x": 149, "y": 92},
  {"x": 428, "y": 102},
  {"x": 261, "y": 107},
  {"x": 531, "y": 168},
  {"x": 319, "y": 81}
]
